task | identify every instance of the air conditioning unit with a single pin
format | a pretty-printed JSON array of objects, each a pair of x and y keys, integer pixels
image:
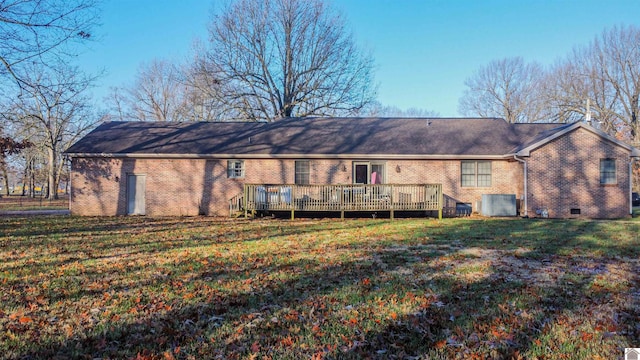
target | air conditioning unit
[{"x": 499, "y": 205}]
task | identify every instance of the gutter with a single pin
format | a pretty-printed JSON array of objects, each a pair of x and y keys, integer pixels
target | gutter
[
  {"x": 287, "y": 156},
  {"x": 526, "y": 203}
]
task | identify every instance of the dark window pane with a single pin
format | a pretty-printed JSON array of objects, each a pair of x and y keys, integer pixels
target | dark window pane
[{"x": 361, "y": 174}]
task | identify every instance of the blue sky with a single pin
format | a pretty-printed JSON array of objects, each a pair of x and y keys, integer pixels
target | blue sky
[{"x": 424, "y": 50}]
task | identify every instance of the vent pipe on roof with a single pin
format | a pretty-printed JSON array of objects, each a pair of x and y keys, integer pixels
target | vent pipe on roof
[{"x": 588, "y": 115}]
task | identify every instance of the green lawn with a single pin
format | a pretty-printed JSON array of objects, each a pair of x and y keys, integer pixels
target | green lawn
[{"x": 194, "y": 288}]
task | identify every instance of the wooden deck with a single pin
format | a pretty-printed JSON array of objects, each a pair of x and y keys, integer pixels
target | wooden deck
[{"x": 339, "y": 198}]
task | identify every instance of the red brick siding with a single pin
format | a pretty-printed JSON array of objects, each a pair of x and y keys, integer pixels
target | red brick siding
[
  {"x": 173, "y": 186},
  {"x": 95, "y": 186},
  {"x": 565, "y": 174},
  {"x": 198, "y": 186}
]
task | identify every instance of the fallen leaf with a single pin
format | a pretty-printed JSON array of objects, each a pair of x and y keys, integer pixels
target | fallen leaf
[{"x": 255, "y": 347}]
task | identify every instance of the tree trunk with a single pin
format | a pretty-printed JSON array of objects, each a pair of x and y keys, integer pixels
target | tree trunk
[
  {"x": 5, "y": 175},
  {"x": 635, "y": 136},
  {"x": 24, "y": 179},
  {"x": 59, "y": 172},
  {"x": 32, "y": 180},
  {"x": 52, "y": 186}
]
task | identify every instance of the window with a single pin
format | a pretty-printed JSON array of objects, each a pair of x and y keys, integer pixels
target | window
[
  {"x": 475, "y": 173},
  {"x": 377, "y": 173},
  {"x": 365, "y": 172},
  {"x": 302, "y": 172},
  {"x": 608, "y": 171},
  {"x": 235, "y": 169},
  {"x": 484, "y": 173}
]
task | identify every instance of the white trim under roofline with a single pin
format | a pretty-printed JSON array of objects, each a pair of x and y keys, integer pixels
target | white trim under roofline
[
  {"x": 527, "y": 150},
  {"x": 291, "y": 156}
]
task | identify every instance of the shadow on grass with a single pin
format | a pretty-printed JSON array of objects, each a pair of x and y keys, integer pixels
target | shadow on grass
[
  {"x": 428, "y": 292},
  {"x": 60, "y": 235}
]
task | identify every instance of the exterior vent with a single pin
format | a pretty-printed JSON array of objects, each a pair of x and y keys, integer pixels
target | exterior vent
[
  {"x": 499, "y": 205},
  {"x": 575, "y": 211}
]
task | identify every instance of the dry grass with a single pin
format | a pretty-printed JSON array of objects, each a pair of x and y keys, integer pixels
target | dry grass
[
  {"x": 13, "y": 203},
  {"x": 193, "y": 288}
]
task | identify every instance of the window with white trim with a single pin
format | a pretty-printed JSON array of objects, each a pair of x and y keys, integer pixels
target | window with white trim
[
  {"x": 608, "y": 172},
  {"x": 475, "y": 173},
  {"x": 235, "y": 169},
  {"x": 368, "y": 172},
  {"x": 302, "y": 172}
]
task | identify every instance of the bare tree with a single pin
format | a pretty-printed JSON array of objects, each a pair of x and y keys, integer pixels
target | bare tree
[
  {"x": 617, "y": 53},
  {"x": 376, "y": 109},
  {"x": 53, "y": 112},
  {"x": 157, "y": 93},
  {"x": 574, "y": 87},
  {"x": 163, "y": 91},
  {"x": 504, "y": 88},
  {"x": 9, "y": 146},
  {"x": 203, "y": 87},
  {"x": 283, "y": 58},
  {"x": 41, "y": 31},
  {"x": 606, "y": 75},
  {"x": 118, "y": 102}
]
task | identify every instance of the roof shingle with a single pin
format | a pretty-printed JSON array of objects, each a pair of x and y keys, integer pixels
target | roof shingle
[{"x": 314, "y": 136}]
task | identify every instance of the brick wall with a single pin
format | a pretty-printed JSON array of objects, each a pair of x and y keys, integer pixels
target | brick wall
[
  {"x": 173, "y": 186},
  {"x": 565, "y": 174},
  {"x": 198, "y": 186},
  {"x": 506, "y": 178}
]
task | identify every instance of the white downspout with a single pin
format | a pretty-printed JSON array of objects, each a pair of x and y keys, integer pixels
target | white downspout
[
  {"x": 526, "y": 204},
  {"x": 631, "y": 185}
]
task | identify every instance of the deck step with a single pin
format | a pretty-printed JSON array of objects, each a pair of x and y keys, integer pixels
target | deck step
[{"x": 237, "y": 214}]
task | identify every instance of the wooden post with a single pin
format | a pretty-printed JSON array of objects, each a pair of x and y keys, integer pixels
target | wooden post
[
  {"x": 246, "y": 201},
  {"x": 291, "y": 201},
  {"x": 341, "y": 202},
  {"x": 441, "y": 202},
  {"x": 391, "y": 215}
]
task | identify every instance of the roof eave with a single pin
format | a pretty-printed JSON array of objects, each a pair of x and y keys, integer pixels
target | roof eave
[
  {"x": 289, "y": 156},
  {"x": 526, "y": 151}
]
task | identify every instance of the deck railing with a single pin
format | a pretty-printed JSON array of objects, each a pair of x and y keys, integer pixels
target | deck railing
[
  {"x": 348, "y": 197},
  {"x": 236, "y": 204}
]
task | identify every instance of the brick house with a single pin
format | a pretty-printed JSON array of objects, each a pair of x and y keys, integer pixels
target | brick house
[{"x": 159, "y": 168}]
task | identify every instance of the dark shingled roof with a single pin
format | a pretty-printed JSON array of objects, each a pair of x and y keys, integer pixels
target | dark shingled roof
[{"x": 315, "y": 136}]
